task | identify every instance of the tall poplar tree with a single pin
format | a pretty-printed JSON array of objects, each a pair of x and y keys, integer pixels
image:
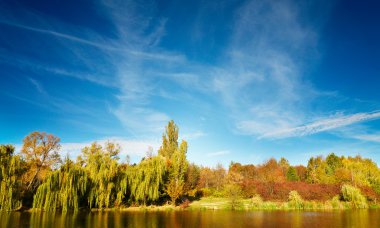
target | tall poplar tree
[
  {"x": 169, "y": 140},
  {"x": 176, "y": 161}
]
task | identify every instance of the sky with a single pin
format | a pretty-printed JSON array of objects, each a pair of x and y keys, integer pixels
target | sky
[{"x": 243, "y": 80}]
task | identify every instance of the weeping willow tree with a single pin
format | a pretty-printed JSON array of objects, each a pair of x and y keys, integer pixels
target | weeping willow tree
[
  {"x": 10, "y": 178},
  {"x": 146, "y": 179},
  {"x": 103, "y": 170},
  {"x": 62, "y": 189}
]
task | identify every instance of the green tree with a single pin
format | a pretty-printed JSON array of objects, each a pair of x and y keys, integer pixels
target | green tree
[
  {"x": 62, "y": 189},
  {"x": 102, "y": 168},
  {"x": 234, "y": 194},
  {"x": 291, "y": 174},
  {"x": 176, "y": 161},
  {"x": 333, "y": 163},
  {"x": 177, "y": 170},
  {"x": 354, "y": 196},
  {"x": 146, "y": 180},
  {"x": 169, "y": 140},
  {"x": 10, "y": 178},
  {"x": 295, "y": 200}
]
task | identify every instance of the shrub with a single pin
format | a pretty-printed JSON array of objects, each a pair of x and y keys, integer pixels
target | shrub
[
  {"x": 256, "y": 200},
  {"x": 295, "y": 200},
  {"x": 354, "y": 196},
  {"x": 234, "y": 194}
]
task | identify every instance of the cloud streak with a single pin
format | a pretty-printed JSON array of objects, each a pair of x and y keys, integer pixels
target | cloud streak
[
  {"x": 322, "y": 125},
  {"x": 218, "y": 153}
]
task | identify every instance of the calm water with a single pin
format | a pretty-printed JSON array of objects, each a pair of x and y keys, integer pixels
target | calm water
[{"x": 354, "y": 218}]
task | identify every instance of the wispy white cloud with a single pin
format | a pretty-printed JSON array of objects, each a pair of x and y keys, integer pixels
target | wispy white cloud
[
  {"x": 258, "y": 80},
  {"x": 368, "y": 137},
  {"x": 218, "y": 153},
  {"x": 110, "y": 45},
  {"x": 321, "y": 125},
  {"x": 37, "y": 85},
  {"x": 193, "y": 135}
]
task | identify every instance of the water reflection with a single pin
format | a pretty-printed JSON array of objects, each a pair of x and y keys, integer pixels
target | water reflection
[{"x": 349, "y": 218}]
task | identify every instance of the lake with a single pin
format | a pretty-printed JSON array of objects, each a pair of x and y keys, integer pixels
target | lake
[{"x": 204, "y": 218}]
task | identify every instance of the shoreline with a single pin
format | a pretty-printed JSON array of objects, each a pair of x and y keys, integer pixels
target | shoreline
[{"x": 223, "y": 204}]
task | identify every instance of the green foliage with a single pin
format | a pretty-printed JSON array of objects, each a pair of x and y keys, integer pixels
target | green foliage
[
  {"x": 234, "y": 194},
  {"x": 147, "y": 179},
  {"x": 176, "y": 161},
  {"x": 63, "y": 188},
  {"x": 354, "y": 196},
  {"x": 333, "y": 162},
  {"x": 177, "y": 170},
  {"x": 99, "y": 180},
  {"x": 291, "y": 174},
  {"x": 103, "y": 171},
  {"x": 10, "y": 178},
  {"x": 295, "y": 200},
  {"x": 336, "y": 203},
  {"x": 169, "y": 140}
]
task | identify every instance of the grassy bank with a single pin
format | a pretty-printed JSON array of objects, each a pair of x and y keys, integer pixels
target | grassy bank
[
  {"x": 255, "y": 203},
  {"x": 215, "y": 203}
]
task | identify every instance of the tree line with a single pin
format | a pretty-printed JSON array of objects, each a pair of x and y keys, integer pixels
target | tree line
[{"x": 38, "y": 177}]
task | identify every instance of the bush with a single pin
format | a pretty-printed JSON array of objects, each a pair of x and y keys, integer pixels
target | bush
[
  {"x": 318, "y": 192},
  {"x": 295, "y": 200},
  {"x": 354, "y": 196},
  {"x": 234, "y": 194},
  {"x": 336, "y": 203},
  {"x": 256, "y": 201}
]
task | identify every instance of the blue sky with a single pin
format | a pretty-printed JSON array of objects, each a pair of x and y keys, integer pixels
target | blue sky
[{"x": 244, "y": 80}]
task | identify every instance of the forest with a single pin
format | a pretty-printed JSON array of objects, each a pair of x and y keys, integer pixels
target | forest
[{"x": 39, "y": 178}]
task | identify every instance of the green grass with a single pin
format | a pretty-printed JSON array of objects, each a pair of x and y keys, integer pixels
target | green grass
[{"x": 216, "y": 203}]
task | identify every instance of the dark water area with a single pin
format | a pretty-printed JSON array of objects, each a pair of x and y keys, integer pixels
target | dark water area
[{"x": 321, "y": 219}]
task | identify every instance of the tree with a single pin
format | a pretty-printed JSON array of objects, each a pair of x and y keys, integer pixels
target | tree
[
  {"x": 102, "y": 168},
  {"x": 284, "y": 164},
  {"x": 63, "y": 188},
  {"x": 318, "y": 171},
  {"x": 295, "y": 200},
  {"x": 192, "y": 177},
  {"x": 178, "y": 168},
  {"x": 169, "y": 140},
  {"x": 234, "y": 194},
  {"x": 147, "y": 179},
  {"x": 291, "y": 174},
  {"x": 270, "y": 172},
  {"x": 219, "y": 176},
  {"x": 205, "y": 178},
  {"x": 301, "y": 172},
  {"x": 354, "y": 196},
  {"x": 175, "y": 160},
  {"x": 333, "y": 162},
  {"x": 40, "y": 151},
  {"x": 11, "y": 170}
]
